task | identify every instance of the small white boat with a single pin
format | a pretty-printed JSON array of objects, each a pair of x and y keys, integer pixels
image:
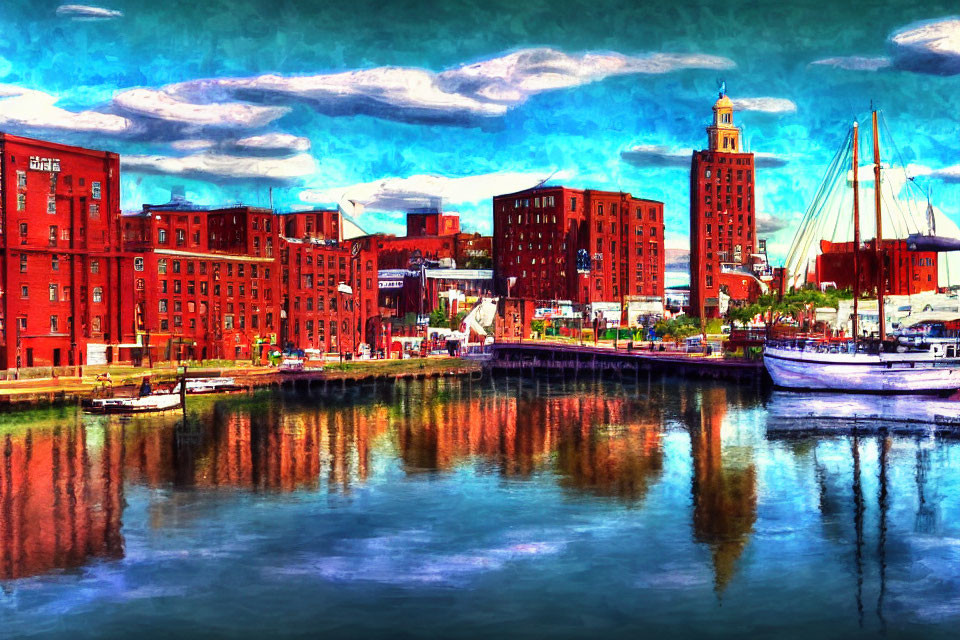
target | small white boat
[
  {"x": 142, "y": 404},
  {"x": 211, "y": 385},
  {"x": 291, "y": 365}
]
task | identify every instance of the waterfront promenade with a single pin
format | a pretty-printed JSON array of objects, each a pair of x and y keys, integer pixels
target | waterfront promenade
[{"x": 529, "y": 357}]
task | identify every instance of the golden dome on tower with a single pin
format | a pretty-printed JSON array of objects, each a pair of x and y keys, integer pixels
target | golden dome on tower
[{"x": 723, "y": 102}]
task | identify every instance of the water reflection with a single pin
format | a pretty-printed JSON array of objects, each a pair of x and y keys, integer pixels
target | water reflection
[
  {"x": 61, "y": 497},
  {"x": 724, "y": 487},
  {"x": 687, "y": 492}
]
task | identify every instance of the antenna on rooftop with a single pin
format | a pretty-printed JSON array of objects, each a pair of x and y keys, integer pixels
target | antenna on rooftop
[{"x": 542, "y": 182}]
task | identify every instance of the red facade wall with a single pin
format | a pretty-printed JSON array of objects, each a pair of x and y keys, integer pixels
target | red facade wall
[
  {"x": 905, "y": 272},
  {"x": 204, "y": 282},
  {"x": 317, "y": 314},
  {"x": 60, "y": 262},
  {"x": 539, "y": 233},
  {"x": 722, "y": 227},
  {"x": 432, "y": 223}
]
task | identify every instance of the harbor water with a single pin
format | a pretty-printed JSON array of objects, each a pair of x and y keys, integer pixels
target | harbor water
[{"x": 494, "y": 508}]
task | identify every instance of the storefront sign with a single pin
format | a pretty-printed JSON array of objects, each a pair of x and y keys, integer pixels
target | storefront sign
[{"x": 44, "y": 164}]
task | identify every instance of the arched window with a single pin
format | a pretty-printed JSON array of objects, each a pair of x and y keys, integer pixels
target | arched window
[{"x": 98, "y": 294}]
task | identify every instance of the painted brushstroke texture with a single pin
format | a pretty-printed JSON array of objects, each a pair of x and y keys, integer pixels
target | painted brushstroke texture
[{"x": 400, "y": 103}]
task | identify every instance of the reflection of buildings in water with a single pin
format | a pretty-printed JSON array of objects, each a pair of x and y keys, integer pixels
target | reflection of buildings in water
[
  {"x": 244, "y": 447},
  {"x": 439, "y": 435},
  {"x": 606, "y": 445},
  {"x": 724, "y": 488},
  {"x": 61, "y": 495}
]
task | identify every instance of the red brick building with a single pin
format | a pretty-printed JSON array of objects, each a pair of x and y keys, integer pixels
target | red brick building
[
  {"x": 432, "y": 222},
  {"x": 722, "y": 218},
  {"x": 60, "y": 257},
  {"x": 329, "y": 287},
  {"x": 905, "y": 272},
  {"x": 205, "y": 282},
  {"x": 580, "y": 245}
]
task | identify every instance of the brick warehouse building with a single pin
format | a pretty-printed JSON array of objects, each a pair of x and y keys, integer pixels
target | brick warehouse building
[
  {"x": 228, "y": 283},
  {"x": 317, "y": 313},
  {"x": 60, "y": 255},
  {"x": 722, "y": 218},
  {"x": 905, "y": 272},
  {"x": 205, "y": 281},
  {"x": 580, "y": 245}
]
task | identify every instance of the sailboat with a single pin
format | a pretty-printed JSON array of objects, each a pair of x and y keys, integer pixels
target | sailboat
[{"x": 857, "y": 364}]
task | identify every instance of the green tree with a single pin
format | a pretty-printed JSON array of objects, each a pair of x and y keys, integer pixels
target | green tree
[{"x": 439, "y": 318}]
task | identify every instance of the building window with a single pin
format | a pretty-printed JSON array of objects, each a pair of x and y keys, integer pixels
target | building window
[
  {"x": 164, "y": 324},
  {"x": 94, "y": 210},
  {"x": 162, "y": 236},
  {"x": 24, "y": 291},
  {"x": 95, "y": 190},
  {"x": 181, "y": 237},
  {"x": 94, "y": 266},
  {"x": 21, "y": 179},
  {"x": 54, "y": 296},
  {"x": 21, "y": 201},
  {"x": 23, "y": 263},
  {"x": 138, "y": 264},
  {"x": 54, "y": 324},
  {"x": 228, "y": 322},
  {"x": 51, "y": 204},
  {"x": 55, "y": 262},
  {"x": 96, "y": 323},
  {"x": 53, "y": 236},
  {"x": 162, "y": 305}
]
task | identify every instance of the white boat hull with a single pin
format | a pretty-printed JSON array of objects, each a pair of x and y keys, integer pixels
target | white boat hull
[
  {"x": 145, "y": 404},
  {"x": 861, "y": 373}
]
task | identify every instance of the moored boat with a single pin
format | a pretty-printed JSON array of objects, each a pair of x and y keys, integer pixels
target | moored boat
[
  {"x": 863, "y": 368},
  {"x": 859, "y": 365},
  {"x": 211, "y": 385},
  {"x": 142, "y": 404}
]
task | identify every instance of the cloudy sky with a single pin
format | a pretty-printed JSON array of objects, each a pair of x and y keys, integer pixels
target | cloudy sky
[{"x": 392, "y": 102}]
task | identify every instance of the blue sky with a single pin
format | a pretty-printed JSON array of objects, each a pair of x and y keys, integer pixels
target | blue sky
[{"x": 390, "y": 103}]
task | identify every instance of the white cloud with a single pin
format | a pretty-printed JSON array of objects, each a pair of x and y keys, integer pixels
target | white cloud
[
  {"x": 488, "y": 88},
  {"x": 192, "y": 145},
  {"x": 947, "y": 174},
  {"x": 855, "y": 63},
  {"x": 648, "y": 155},
  {"x": 770, "y": 223},
  {"x": 223, "y": 166},
  {"x": 87, "y": 12},
  {"x": 34, "y": 109},
  {"x": 928, "y": 47},
  {"x": 398, "y": 194},
  {"x": 274, "y": 142},
  {"x": 765, "y": 105},
  {"x": 165, "y": 106}
]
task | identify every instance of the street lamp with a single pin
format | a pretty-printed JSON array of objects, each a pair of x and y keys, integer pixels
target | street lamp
[{"x": 345, "y": 289}]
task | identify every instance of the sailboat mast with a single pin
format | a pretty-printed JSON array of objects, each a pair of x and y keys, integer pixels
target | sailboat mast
[
  {"x": 856, "y": 236},
  {"x": 879, "y": 238}
]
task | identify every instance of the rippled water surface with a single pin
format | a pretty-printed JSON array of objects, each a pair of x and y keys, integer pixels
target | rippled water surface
[{"x": 499, "y": 508}]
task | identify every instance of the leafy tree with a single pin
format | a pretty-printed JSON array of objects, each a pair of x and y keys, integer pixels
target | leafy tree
[{"x": 439, "y": 318}]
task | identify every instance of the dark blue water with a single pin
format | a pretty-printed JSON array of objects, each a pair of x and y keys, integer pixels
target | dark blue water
[{"x": 506, "y": 509}]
